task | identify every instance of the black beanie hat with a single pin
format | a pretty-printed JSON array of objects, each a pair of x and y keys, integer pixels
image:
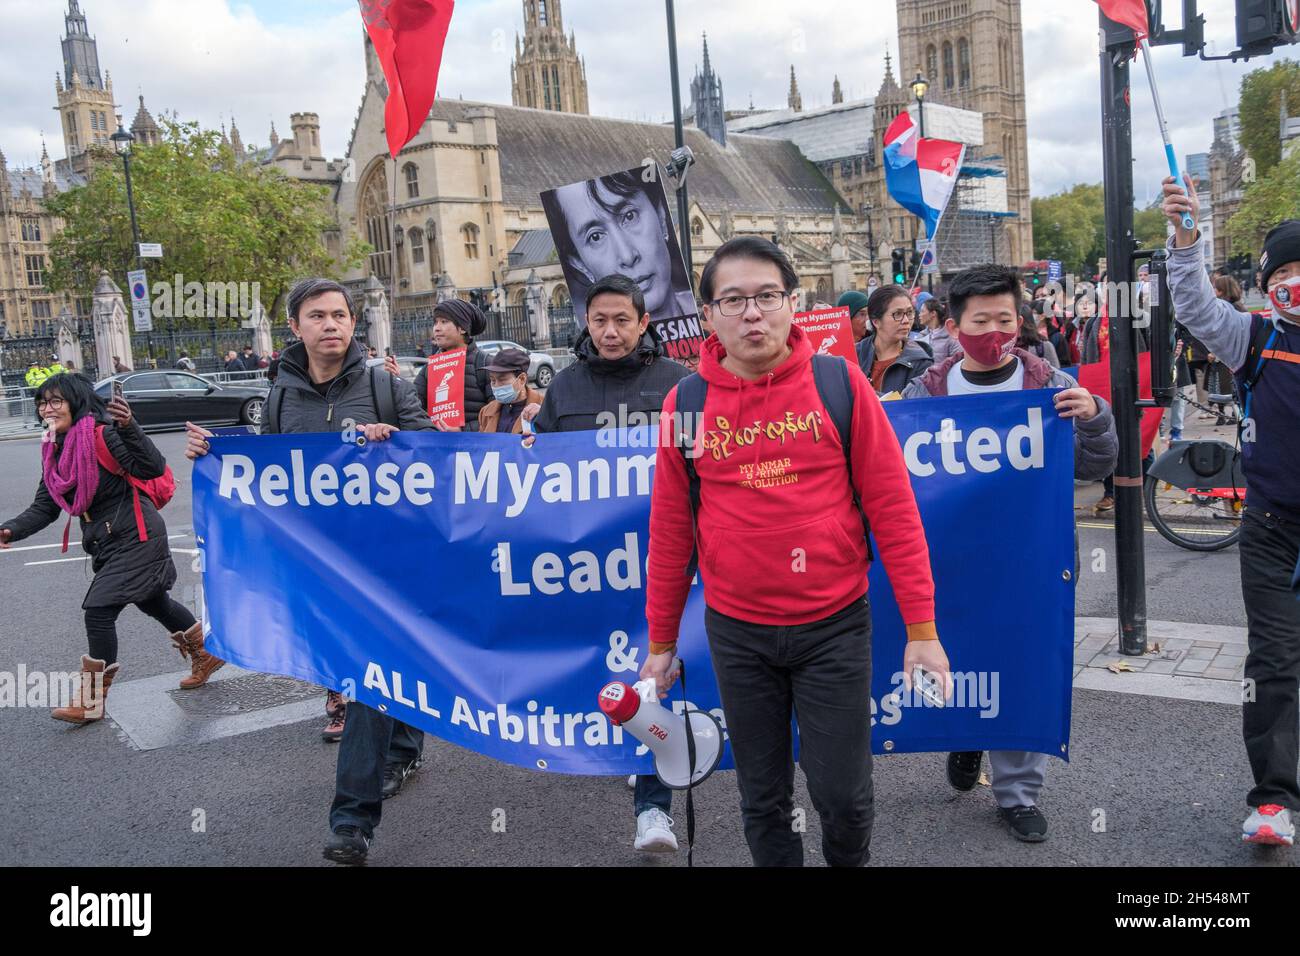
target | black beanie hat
[
  {"x": 1282, "y": 245},
  {"x": 466, "y": 317}
]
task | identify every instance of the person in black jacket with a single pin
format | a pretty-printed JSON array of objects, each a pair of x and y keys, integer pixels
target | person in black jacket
[
  {"x": 455, "y": 323},
  {"x": 324, "y": 385},
  {"x": 622, "y": 376},
  {"x": 127, "y": 570}
]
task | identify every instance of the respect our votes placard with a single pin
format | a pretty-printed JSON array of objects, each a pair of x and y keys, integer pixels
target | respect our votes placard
[{"x": 446, "y": 398}]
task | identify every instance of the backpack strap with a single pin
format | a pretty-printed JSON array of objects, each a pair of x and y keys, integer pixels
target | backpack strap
[
  {"x": 271, "y": 411},
  {"x": 1261, "y": 341},
  {"x": 111, "y": 465},
  {"x": 384, "y": 399},
  {"x": 692, "y": 391},
  {"x": 831, "y": 377}
]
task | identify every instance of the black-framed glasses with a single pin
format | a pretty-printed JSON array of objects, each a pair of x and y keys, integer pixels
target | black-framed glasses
[
  {"x": 53, "y": 404},
  {"x": 903, "y": 315},
  {"x": 734, "y": 305}
]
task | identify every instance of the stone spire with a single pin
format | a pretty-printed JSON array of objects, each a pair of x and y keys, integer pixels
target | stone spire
[
  {"x": 275, "y": 137},
  {"x": 837, "y": 92},
  {"x": 890, "y": 84},
  {"x": 236, "y": 141},
  {"x": 707, "y": 103},
  {"x": 795, "y": 101},
  {"x": 143, "y": 127}
]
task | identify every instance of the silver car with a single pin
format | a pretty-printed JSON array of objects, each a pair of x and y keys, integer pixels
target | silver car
[{"x": 541, "y": 367}]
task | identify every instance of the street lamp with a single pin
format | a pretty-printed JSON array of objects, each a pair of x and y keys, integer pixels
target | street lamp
[
  {"x": 122, "y": 141},
  {"x": 920, "y": 86}
]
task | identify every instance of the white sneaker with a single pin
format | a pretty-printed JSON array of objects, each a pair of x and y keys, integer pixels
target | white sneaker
[
  {"x": 654, "y": 832},
  {"x": 1269, "y": 825}
]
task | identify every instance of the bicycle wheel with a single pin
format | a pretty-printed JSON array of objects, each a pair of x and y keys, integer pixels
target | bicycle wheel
[{"x": 1192, "y": 521}]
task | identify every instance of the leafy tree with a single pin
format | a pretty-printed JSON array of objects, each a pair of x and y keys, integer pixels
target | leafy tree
[
  {"x": 1071, "y": 226},
  {"x": 1267, "y": 202},
  {"x": 218, "y": 220},
  {"x": 1261, "y": 105}
]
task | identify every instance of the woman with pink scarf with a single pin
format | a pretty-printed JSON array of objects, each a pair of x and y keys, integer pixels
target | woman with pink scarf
[{"x": 127, "y": 570}]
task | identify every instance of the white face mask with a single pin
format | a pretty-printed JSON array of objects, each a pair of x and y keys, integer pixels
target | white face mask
[
  {"x": 1286, "y": 297},
  {"x": 505, "y": 394}
]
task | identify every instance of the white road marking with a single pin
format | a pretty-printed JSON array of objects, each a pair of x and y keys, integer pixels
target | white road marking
[
  {"x": 86, "y": 557},
  {"x": 40, "y": 547}
]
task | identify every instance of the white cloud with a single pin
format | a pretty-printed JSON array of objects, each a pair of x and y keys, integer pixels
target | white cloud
[{"x": 264, "y": 59}]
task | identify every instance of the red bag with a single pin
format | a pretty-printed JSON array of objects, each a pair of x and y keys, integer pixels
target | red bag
[{"x": 160, "y": 490}]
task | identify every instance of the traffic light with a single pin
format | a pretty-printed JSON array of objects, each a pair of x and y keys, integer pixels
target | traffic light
[
  {"x": 1265, "y": 24},
  {"x": 900, "y": 271}
]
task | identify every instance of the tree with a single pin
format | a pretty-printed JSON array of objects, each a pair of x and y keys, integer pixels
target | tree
[
  {"x": 218, "y": 221},
  {"x": 1261, "y": 106},
  {"x": 1149, "y": 227},
  {"x": 1067, "y": 226},
  {"x": 1267, "y": 202}
]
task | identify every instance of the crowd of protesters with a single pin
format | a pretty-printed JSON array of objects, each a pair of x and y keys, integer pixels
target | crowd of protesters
[{"x": 985, "y": 335}]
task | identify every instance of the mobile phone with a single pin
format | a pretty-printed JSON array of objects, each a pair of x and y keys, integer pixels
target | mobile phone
[
  {"x": 527, "y": 426},
  {"x": 117, "y": 389},
  {"x": 929, "y": 686}
]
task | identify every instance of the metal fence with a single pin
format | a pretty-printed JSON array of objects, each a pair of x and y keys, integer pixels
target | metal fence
[
  {"x": 206, "y": 347},
  {"x": 17, "y": 412},
  {"x": 18, "y": 353}
]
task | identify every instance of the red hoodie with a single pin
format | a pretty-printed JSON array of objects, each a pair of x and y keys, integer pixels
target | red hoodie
[{"x": 780, "y": 539}]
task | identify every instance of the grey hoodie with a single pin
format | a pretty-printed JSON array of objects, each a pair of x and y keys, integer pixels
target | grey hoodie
[{"x": 1096, "y": 446}]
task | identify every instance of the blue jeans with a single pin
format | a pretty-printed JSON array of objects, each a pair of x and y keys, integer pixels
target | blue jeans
[
  {"x": 651, "y": 792},
  {"x": 371, "y": 741}
]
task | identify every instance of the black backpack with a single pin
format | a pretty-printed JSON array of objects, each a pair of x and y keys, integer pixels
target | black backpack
[
  {"x": 831, "y": 376},
  {"x": 384, "y": 399}
]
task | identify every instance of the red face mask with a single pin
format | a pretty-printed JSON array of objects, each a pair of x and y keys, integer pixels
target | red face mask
[
  {"x": 987, "y": 349},
  {"x": 1286, "y": 296}
]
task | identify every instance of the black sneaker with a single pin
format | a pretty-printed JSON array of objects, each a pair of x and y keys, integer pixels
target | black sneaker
[
  {"x": 347, "y": 845},
  {"x": 1027, "y": 824},
  {"x": 395, "y": 775},
  {"x": 964, "y": 769}
]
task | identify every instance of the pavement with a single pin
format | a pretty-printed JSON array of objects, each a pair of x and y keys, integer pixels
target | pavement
[{"x": 237, "y": 774}]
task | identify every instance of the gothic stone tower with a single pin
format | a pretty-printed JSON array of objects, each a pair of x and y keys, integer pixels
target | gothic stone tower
[
  {"x": 707, "y": 101},
  {"x": 85, "y": 98},
  {"x": 972, "y": 52},
  {"x": 547, "y": 72}
]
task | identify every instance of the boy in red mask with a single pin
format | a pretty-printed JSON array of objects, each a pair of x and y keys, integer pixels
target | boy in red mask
[{"x": 983, "y": 317}]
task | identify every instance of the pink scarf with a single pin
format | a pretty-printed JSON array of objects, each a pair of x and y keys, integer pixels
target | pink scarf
[{"x": 75, "y": 469}]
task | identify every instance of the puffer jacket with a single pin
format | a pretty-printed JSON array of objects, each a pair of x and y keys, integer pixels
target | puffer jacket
[
  {"x": 911, "y": 362},
  {"x": 584, "y": 396},
  {"x": 301, "y": 409},
  {"x": 1096, "y": 446},
  {"x": 127, "y": 570},
  {"x": 477, "y": 390}
]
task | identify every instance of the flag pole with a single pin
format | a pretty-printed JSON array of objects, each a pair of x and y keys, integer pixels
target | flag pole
[
  {"x": 1170, "y": 155},
  {"x": 920, "y": 265}
]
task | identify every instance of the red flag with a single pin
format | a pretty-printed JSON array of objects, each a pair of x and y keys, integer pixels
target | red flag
[
  {"x": 408, "y": 36},
  {"x": 1131, "y": 13}
]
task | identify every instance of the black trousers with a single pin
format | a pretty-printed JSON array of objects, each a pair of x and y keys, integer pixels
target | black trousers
[
  {"x": 101, "y": 623},
  {"x": 820, "y": 672},
  {"x": 1270, "y": 551}
]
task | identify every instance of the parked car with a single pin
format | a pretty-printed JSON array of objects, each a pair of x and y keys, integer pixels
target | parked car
[
  {"x": 170, "y": 398},
  {"x": 408, "y": 366},
  {"x": 541, "y": 367}
]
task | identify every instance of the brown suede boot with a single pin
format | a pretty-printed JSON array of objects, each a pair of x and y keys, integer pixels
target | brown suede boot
[
  {"x": 202, "y": 664},
  {"x": 89, "y": 697}
]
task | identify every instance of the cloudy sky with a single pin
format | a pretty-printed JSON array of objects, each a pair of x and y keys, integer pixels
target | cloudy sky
[{"x": 260, "y": 60}]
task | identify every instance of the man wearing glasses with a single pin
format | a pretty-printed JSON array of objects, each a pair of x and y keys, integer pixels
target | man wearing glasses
[
  {"x": 782, "y": 554},
  {"x": 887, "y": 356}
]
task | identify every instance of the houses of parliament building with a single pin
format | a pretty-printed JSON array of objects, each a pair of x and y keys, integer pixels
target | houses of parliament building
[{"x": 468, "y": 216}]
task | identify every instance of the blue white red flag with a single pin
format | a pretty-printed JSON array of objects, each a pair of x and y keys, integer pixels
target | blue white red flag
[{"x": 921, "y": 173}]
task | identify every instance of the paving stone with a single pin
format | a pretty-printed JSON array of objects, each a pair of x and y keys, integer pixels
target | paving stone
[
  {"x": 1192, "y": 667},
  {"x": 1158, "y": 666},
  {"x": 1202, "y": 653},
  {"x": 1219, "y": 673}
]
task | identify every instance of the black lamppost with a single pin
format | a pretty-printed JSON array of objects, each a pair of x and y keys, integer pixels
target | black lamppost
[
  {"x": 865, "y": 211},
  {"x": 920, "y": 86},
  {"x": 122, "y": 141}
]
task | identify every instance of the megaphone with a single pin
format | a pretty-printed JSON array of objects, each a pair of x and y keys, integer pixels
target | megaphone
[{"x": 637, "y": 709}]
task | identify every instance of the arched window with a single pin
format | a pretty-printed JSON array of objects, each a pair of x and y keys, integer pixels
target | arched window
[
  {"x": 416, "y": 236},
  {"x": 469, "y": 232},
  {"x": 697, "y": 228},
  {"x": 412, "y": 175},
  {"x": 947, "y": 66},
  {"x": 560, "y": 298},
  {"x": 372, "y": 213},
  {"x": 932, "y": 63},
  {"x": 963, "y": 63},
  {"x": 555, "y": 82}
]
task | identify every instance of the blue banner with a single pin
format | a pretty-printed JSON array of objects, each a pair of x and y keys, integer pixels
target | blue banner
[{"x": 486, "y": 592}]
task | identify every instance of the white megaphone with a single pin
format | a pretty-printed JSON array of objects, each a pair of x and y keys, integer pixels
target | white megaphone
[{"x": 637, "y": 709}]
